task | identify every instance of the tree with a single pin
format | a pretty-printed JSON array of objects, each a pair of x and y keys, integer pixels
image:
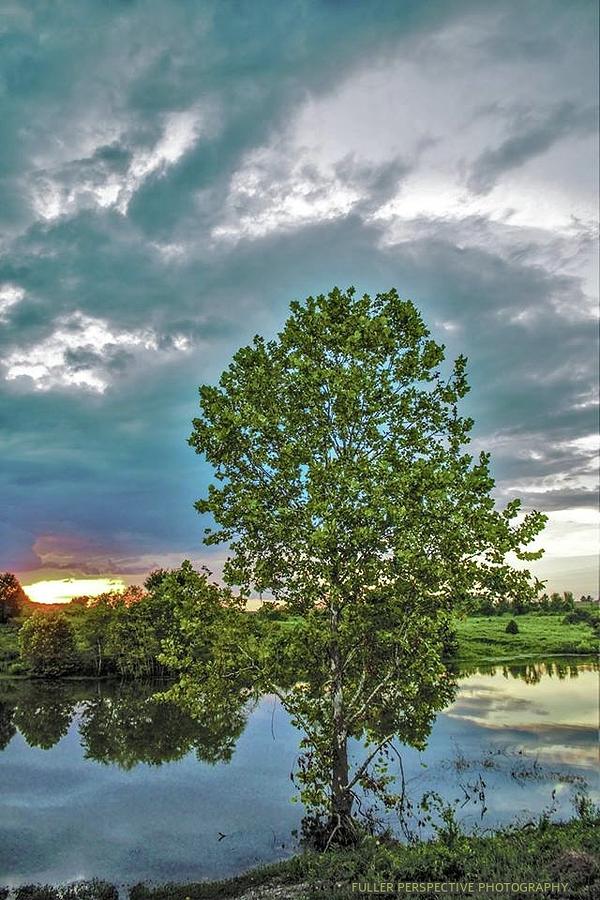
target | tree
[
  {"x": 108, "y": 630},
  {"x": 12, "y": 597},
  {"x": 544, "y": 603},
  {"x": 343, "y": 488},
  {"x": 94, "y": 628},
  {"x": 47, "y": 644},
  {"x": 135, "y": 639}
]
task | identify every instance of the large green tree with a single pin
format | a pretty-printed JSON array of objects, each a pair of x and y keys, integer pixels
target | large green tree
[{"x": 345, "y": 490}]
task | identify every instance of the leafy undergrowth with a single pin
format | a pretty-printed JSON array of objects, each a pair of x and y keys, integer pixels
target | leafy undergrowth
[{"x": 9, "y": 649}]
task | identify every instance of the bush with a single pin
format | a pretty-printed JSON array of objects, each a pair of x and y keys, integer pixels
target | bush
[
  {"x": 589, "y": 615},
  {"x": 512, "y": 627},
  {"x": 36, "y": 892},
  {"x": 47, "y": 645}
]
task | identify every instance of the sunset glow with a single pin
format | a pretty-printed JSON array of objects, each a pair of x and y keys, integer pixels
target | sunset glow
[{"x": 63, "y": 590}]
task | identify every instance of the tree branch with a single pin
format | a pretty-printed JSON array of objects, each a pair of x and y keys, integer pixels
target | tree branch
[{"x": 363, "y": 768}]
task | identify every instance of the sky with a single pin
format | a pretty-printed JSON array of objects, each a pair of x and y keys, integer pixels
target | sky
[{"x": 172, "y": 175}]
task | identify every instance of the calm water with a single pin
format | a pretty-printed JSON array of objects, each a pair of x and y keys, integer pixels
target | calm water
[{"x": 100, "y": 780}]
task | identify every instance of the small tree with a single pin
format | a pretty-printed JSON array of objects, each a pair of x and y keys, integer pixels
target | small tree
[
  {"x": 94, "y": 628},
  {"x": 544, "y": 603},
  {"x": 12, "y": 597},
  {"x": 47, "y": 644},
  {"x": 512, "y": 627},
  {"x": 344, "y": 489}
]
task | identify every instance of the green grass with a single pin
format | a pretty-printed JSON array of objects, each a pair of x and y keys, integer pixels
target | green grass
[
  {"x": 539, "y": 853},
  {"x": 483, "y": 639}
]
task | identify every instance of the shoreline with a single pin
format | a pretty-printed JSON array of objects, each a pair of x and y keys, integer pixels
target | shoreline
[{"x": 539, "y": 852}]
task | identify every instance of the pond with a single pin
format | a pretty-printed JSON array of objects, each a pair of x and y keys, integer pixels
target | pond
[{"x": 99, "y": 779}]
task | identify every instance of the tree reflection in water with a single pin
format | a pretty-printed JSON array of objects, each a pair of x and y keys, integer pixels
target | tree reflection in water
[
  {"x": 43, "y": 713},
  {"x": 121, "y": 725},
  {"x": 7, "y": 728},
  {"x": 135, "y": 725},
  {"x": 534, "y": 672},
  {"x": 134, "y": 722}
]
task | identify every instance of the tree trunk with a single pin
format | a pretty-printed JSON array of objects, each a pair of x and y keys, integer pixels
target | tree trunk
[{"x": 341, "y": 796}]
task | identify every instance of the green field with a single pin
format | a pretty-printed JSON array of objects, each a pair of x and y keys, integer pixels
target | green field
[{"x": 483, "y": 639}]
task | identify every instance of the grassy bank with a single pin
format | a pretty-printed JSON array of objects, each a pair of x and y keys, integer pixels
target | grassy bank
[
  {"x": 483, "y": 640},
  {"x": 539, "y": 853}
]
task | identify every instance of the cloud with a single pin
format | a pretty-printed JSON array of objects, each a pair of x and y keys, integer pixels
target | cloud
[
  {"x": 281, "y": 187},
  {"x": 260, "y": 202},
  {"x": 10, "y": 295},
  {"x": 532, "y": 134},
  {"x": 112, "y": 174},
  {"x": 82, "y": 352},
  {"x": 89, "y": 557}
]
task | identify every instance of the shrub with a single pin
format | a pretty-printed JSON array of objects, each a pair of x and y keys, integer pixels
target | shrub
[
  {"x": 512, "y": 627},
  {"x": 36, "y": 892},
  {"x": 586, "y": 616},
  {"x": 47, "y": 645}
]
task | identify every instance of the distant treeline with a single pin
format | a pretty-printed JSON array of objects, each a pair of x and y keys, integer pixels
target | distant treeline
[
  {"x": 128, "y": 633},
  {"x": 115, "y": 633},
  {"x": 544, "y": 604}
]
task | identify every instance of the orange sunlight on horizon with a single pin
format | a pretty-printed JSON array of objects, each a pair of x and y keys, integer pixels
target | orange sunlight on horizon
[{"x": 64, "y": 589}]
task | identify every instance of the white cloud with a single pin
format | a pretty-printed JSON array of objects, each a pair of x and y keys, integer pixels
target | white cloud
[
  {"x": 424, "y": 107},
  {"x": 571, "y": 532},
  {"x": 273, "y": 190},
  {"x": 79, "y": 352},
  {"x": 558, "y": 481},
  {"x": 588, "y": 444},
  {"x": 89, "y": 182},
  {"x": 180, "y": 133},
  {"x": 10, "y": 295}
]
